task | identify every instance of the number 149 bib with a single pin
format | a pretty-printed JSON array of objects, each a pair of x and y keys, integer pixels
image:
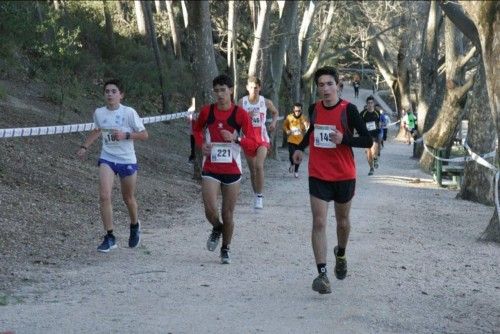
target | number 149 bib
[{"x": 322, "y": 136}]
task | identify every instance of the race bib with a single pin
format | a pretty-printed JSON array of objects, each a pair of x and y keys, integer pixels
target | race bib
[
  {"x": 256, "y": 123},
  {"x": 322, "y": 136},
  {"x": 370, "y": 126},
  {"x": 295, "y": 131},
  {"x": 109, "y": 138},
  {"x": 221, "y": 153}
]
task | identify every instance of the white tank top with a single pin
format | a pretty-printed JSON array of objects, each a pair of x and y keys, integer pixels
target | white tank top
[{"x": 258, "y": 113}]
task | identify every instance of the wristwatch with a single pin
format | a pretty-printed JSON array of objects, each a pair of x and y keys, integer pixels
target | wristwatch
[{"x": 127, "y": 135}]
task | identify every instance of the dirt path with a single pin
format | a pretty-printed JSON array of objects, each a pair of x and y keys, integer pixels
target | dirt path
[{"x": 414, "y": 267}]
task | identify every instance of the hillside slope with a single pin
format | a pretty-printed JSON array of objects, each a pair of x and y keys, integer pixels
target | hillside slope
[{"x": 49, "y": 198}]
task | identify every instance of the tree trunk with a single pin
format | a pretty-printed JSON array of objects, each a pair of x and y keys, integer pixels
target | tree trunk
[
  {"x": 477, "y": 185},
  {"x": 156, "y": 50},
  {"x": 291, "y": 75},
  {"x": 232, "y": 59},
  {"x": 257, "y": 43},
  {"x": 485, "y": 16},
  {"x": 140, "y": 17},
  {"x": 324, "y": 35},
  {"x": 200, "y": 31},
  {"x": 230, "y": 32},
  {"x": 39, "y": 12},
  {"x": 109, "y": 27},
  {"x": 159, "y": 6},
  {"x": 253, "y": 13},
  {"x": 185, "y": 15},
  {"x": 443, "y": 131},
  {"x": 173, "y": 29},
  {"x": 428, "y": 68},
  {"x": 120, "y": 8}
]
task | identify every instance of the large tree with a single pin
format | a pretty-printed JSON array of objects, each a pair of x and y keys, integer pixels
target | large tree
[
  {"x": 478, "y": 183},
  {"x": 481, "y": 24},
  {"x": 203, "y": 60},
  {"x": 442, "y": 132}
]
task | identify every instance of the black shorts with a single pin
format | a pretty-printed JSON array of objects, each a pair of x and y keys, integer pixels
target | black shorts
[
  {"x": 226, "y": 179},
  {"x": 337, "y": 191}
]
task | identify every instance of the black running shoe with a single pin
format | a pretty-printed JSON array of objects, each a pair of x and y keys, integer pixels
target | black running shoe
[
  {"x": 340, "y": 264},
  {"x": 108, "y": 244},
  {"x": 321, "y": 284},
  {"x": 224, "y": 256},
  {"x": 213, "y": 239},
  {"x": 135, "y": 235}
]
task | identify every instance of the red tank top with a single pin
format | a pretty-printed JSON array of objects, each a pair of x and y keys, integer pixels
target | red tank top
[
  {"x": 216, "y": 121},
  {"x": 330, "y": 164}
]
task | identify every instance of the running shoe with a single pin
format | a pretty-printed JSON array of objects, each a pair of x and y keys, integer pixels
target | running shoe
[
  {"x": 296, "y": 175},
  {"x": 371, "y": 171},
  {"x": 224, "y": 256},
  {"x": 135, "y": 235},
  {"x": 321, "y": 284},
  {"x": 290, "y": 169},
  {"x": 108, "y": 244},
  {"x": 340, "y": 264},
  {"x": 213, "y": 239},
  {"x": 259, "y": 202}
]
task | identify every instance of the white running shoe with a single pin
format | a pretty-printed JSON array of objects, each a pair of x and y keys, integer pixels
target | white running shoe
[
  {"x": 296, "y": 175},
  {"x": 259, "y": 202}
]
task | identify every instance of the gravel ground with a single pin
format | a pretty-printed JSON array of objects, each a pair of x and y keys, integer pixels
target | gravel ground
[{"x": 415, "y": 265}]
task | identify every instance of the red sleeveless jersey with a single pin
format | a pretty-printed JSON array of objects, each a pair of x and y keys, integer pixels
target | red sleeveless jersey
[{"x": 331, "y": 164}]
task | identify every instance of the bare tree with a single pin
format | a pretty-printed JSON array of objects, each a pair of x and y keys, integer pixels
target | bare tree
[
  {"x": 140, "y": 17},
  {"x": 322, "y": 42},
  {"x": 478, "y": 183},
  {"x": 232, "y": 61},
  {"x": 263, "y": 18},
  {"x": 443, "y": 131},
  {"x": 109, "y": 25},
  {"x": 156, "y": 50},
  {"x": 306, "y": 30},
  {"x": 288, "y": 13},
  {"x": 308, "y": 74},
  {"x": 481, "y": 24},
  {"x": 173, "y": 29},
  {"x": 203, "y": 63}
]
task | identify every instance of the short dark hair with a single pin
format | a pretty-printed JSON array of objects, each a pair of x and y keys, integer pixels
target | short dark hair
[
  {"x": 297, "y": 104},
  {"x": 370, "y": 98},
  {"x": 326, "y": 70},
  {"x": 115, "y": 82},
  {"x": 222, "y": 80},
  {"x": 253, "y": 79}
]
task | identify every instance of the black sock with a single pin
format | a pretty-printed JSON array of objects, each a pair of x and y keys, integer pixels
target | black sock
[
  {"x": 224, "y": 247},
  {"x": 340, "y": 251},
  {"x": 136, "y": 225},
  {"x": 110, "y": 233},
  {"x": 218, "y": 226},
  {"x": 321, "y": 267}
]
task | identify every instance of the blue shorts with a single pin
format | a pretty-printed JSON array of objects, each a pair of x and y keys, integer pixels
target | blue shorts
[{"x": 123, "y": 170}]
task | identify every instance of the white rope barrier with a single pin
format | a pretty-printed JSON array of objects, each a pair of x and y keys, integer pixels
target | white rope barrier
[
  {"x": 83, "y": 127},
  {"x": 71, "y": 128}
]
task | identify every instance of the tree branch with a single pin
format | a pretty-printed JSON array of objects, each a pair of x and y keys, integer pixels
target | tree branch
[
  {"x": 460, "y": 91},
  {"x": 454, "y": 12},
  {"x": 465, "y": 58}
]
